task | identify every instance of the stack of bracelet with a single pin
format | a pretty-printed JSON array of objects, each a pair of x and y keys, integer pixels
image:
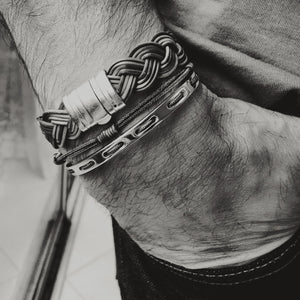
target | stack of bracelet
[{"x": 158, "y": 74}]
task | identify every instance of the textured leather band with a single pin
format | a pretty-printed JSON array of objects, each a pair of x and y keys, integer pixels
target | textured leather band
[{"x": 89, "y": 105}]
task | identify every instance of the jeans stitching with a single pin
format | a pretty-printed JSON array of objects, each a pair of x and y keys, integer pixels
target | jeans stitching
[
  {"x": 225, "y": 283},
  {"x": 228, "y": 274}
]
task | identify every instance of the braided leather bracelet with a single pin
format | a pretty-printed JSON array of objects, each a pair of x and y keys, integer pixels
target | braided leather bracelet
[{"x": 159, "y": 69}]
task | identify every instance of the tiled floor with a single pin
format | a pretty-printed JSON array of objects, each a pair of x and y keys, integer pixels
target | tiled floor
[
  {"x": 21, "y": 211},
  {"x": 91, "y": 270}
]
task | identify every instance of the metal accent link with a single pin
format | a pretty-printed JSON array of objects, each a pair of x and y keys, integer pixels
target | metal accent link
[
  {"x": 106, "y": 94},
  {"x": 107, "y": 134},
  {"x": 85, "y": 108}
]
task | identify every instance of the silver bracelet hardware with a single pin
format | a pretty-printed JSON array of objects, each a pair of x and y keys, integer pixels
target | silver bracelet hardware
[{"x": 150, "y": 68}]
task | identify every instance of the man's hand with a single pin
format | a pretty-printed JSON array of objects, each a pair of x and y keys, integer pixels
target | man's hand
[{"x": 216, "y": 184}]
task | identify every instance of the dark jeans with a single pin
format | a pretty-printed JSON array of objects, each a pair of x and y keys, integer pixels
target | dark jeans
[{"x": 142, "y": 276}]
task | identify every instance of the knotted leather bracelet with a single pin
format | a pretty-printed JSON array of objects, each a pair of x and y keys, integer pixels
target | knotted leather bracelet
[{"x": 158, "y": 74}]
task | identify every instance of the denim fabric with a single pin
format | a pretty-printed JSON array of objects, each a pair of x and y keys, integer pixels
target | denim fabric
[{"x": 142, "y": 276}]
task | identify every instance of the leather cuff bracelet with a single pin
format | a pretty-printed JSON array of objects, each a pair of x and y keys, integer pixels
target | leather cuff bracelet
[{"x": 157, "y": 72}]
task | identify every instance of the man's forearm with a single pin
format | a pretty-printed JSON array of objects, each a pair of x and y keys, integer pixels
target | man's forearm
[
  {"x": 214, "y": 177},
  {"x": 64, "y": 43}
]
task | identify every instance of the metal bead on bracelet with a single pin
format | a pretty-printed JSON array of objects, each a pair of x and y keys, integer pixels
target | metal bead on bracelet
[{"x": 159, "y": 69}]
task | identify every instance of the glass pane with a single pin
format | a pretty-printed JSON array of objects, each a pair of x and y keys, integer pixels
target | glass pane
[{"x": 30, "y": 184}]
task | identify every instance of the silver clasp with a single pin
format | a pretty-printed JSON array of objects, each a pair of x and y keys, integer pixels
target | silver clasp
[{"x": 93, "y": 102}]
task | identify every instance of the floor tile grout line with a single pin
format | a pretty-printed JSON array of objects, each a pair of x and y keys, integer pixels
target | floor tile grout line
[
  {"x": 9, "y": 258},
  {"x": 75, "y": 290},
  {"x": 91, "y": 261}
]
